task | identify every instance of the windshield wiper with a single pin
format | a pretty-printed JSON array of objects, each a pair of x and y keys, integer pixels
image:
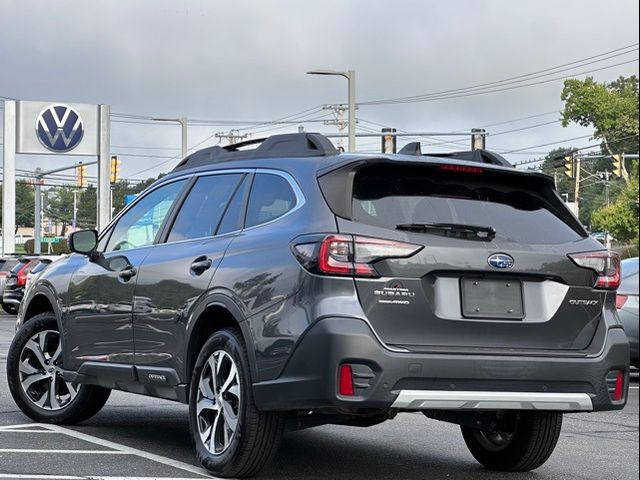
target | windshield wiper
[{"x": 456, "y": 230}]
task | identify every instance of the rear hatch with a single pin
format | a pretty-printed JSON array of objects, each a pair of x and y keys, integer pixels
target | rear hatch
[{"x": 493, "y": 270}]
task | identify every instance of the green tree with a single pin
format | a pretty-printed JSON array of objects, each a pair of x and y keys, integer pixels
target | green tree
[
  {"x": 611, "y": 109},
  {"x": 620, "y": 218},
  {"x": 25, "y": 204},
  {"x": 87, "y": 207},
  {"x": 60, "y": 205}
]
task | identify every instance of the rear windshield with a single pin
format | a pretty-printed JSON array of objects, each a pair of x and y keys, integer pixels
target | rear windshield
[
  {"x": 18, "y": 266},
  {"x": 387, "y": 198},
  {"x": 41, "y": 266}
]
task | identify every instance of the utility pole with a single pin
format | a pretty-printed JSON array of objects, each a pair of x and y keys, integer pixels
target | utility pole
[
  {"x": 338, "y": 121},
  {"x": 231, "y": 137},
  {"x": 37, "y": 223},
  {"x": 577, "y": 189},
  {"x": 74, "y": 224},
  {"x": 183, "y": 127}
]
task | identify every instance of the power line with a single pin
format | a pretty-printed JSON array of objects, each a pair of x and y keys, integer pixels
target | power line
[{"x": 516, "y": 79}]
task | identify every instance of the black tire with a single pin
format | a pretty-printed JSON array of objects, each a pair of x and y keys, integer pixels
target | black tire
[
  {"x": 88, "y": 400},
  {"x": 528, "y": 439},
  {"x": 257, "y": 434},
  {"x": 10, "y": 309}
]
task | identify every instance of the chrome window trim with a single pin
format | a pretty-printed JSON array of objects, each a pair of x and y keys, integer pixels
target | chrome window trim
[{"x": 297, "y": 191}]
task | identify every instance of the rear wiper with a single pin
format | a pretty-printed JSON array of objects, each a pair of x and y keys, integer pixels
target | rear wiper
[{"x": 457, "y": 230}]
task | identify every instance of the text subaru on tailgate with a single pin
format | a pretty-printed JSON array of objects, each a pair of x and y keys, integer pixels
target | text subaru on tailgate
[{"x": 290, "y": 285}]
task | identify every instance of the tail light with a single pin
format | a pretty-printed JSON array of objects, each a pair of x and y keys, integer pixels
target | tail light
[
  {"x": 606, "y": 265},
  {"x": 22, "y": 275},
  {"x": 621, "y": 300},
  {"x": 348, "y": 255}
]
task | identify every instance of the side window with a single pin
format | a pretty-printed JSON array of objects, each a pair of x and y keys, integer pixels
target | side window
[
  {"x": 234, "y": 216},
  {"x": 139, "y": 226},
  {"x": 202, "y": 210},
  {"x": 271, "y": 197}
]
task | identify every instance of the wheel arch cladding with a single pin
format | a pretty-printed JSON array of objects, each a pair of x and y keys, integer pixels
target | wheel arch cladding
[
  {"x": 39, "y": 303},
  {"x": 215, "y": 315}
]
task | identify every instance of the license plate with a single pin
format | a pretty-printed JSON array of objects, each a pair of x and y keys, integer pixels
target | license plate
[{"x": 488, "y": 298}]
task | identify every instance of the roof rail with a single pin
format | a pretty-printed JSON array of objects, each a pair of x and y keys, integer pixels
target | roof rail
[
  {"x": 287, "y": 145},
  {"x": 480, "y": 155}
]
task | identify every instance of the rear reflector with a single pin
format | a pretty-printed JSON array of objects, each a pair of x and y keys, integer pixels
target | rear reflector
[
  {"x": 620, "y": 301},
  {"x": 345, "y": 384},
  {"x": 618, "y": 392},
  {"x": 606, "y": 264}
]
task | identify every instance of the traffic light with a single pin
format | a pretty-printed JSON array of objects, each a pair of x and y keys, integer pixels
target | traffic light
[
  {"x": 568, "y": 166},
  {"x": 617, "y": 165},
  {"x": 114, "y": 171},
  {"x": 81, "y": 175}
]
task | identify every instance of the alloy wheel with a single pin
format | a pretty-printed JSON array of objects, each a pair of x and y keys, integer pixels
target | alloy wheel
[
  {"x": 218, "y": 402},
  {"x": 41, "y": 372}
]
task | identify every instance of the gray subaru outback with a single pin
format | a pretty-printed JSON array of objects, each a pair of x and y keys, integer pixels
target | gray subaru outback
[{"x": 288, "y": 285}]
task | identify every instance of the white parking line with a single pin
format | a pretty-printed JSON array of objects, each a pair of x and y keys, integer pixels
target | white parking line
[
  {"x": 28, "y": 476},
  {"x": 44, "y": 450},
  {"x": 117, "y": 449}
]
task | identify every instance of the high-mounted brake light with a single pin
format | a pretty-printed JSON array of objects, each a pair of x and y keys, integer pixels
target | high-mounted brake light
[
  {"x": 606, "y": 264},
  {"x": 461, "y": 169},
  {"x": 348, "y": 255}
]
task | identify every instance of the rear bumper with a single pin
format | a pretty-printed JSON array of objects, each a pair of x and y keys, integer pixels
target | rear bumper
[{"x": 426, "y": 381}]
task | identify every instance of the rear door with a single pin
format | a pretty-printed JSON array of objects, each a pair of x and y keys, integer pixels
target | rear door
[
  {"x": 179, "y": 269},
  {"x": 494, "y": 271}
]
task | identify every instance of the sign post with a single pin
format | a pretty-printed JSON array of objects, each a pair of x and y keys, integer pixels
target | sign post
[{"x": 51, "y": 128}]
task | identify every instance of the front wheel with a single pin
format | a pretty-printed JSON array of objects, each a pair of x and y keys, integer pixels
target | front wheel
[
  {"x": 232, "y": 437},
  {"x": 522, "y": 440},
  {"x": 36, "y": 380}
]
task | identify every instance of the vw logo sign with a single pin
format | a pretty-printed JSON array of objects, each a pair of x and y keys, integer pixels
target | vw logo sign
[
  {"x": 500, "y": 260},
  {"x": 59, "y": 128}
]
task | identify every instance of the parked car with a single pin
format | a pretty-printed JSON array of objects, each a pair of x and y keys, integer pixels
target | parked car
[
  {"x": 15, "y": 283},
  {"x": 43, "y": 262},
  {"x": 6, "y": 264},
  {"x": 627, "y": 304},
  {"x": 293, "y": 285}
]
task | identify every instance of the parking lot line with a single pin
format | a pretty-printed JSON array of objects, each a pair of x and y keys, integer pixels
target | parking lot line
[
  {"x": 45, "y": 450},
  {"x": 122, "y": 449},
  {"x": 28, "y": 476}
]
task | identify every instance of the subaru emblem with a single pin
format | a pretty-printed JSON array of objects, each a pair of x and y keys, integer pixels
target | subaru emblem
[
  {"x": 500, "y": 260},
  {"x": 59, "y": 128}
]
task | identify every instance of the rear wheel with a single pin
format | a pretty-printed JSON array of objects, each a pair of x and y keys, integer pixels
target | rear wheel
[
  {"x": 232, "y": 438},
  {"x": 35, "y": 376},
  {"x": 522, "y": 441}
]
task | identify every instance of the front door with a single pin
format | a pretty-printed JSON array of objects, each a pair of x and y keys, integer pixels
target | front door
[{"x": 100, "y": 298}]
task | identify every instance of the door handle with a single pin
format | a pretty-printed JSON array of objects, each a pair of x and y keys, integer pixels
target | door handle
[
  {"x": 200, "y": 264},
  {"x": 127, "y": 273}
]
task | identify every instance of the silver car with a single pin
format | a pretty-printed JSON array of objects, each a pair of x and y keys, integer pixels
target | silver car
[{"x": 627, "y": 303}]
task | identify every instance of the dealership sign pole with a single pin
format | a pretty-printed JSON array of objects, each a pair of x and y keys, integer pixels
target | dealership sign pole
[{"x": 50, "y": 128}]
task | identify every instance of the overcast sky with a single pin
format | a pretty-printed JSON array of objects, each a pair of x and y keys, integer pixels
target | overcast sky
[{"x": 246, "y": 60}]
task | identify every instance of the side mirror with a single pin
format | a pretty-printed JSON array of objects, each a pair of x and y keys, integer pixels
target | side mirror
[{"x": 83, "y": 241}]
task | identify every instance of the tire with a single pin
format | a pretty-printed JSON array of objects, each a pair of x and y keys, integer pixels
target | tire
[
  {"x": 524, "y": 441},
  {"x": 245, "y": 450},
  {"x": 10, "y": 309},
  {"x": 32, "y": 377}
]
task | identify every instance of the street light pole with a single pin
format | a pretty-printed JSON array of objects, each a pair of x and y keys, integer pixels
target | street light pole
[
  {"x": 350, "y": 75},
  {"x": 183, "y": 124}
]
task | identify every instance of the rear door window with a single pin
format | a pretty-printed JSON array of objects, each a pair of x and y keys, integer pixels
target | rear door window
[
  {"x": 387, "y": 197},
  {"x": 201, "y": 212},
  {"x": 271, "y": 197}
]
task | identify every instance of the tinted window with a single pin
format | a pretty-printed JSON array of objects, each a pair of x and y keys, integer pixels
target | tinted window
[
  {"x": 202, "y": 210},
  {"x": 629, "y": 267},
  {"x": 271, "y": 197},
  {"x": 139, "y": 226},
  {"x": 40, "y": 267},
  {"x": 389, "y": 197},
  {"x": 234, "y": 216},
  {"x": 18, "y": 266}
]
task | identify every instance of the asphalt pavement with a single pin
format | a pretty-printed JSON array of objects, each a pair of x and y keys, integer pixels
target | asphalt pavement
[{"x": 137, "y": 437}]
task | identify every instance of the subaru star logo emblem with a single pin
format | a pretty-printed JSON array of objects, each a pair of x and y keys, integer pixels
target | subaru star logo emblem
[
  {"x": 59, "y": 128},
  {"x": 500, "y": 260}
]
